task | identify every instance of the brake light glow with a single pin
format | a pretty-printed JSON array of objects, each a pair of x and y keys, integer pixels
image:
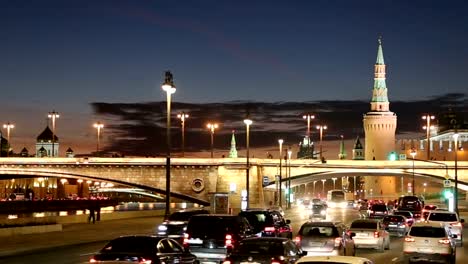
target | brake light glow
[
  {"x": 376, "y": 234},
  {"x": 444, "y": 241},
  {"x": 226, "y": 261},
  {"x": 337, "y": 241},
  {"x": 297, "y": 239},
  {"x": 92, "y": 260},
  {"x": 270, "y": 229},
  {"x": 228, "y": 241},
  {"x": 409, "y": 239},
  {"x": 145, "y": 261},
  {"x": 275, "y": 262},
  {"x": 186, "y": 238}
]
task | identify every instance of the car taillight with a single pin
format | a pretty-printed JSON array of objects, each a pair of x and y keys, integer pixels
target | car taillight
[
  {"x": 92, "y": 260},
  {"x": 409, "y": 239},
  {"x": 376, "y": 234},
  {"x": 348, "y": 233},
  {"x": 186, "y": 238},
  {"x": 145, "y": 261},
  {"x": 337, "y": 241},
  {"x": 228, "y": 241},
  {"x": 371, "y": 212},
  {"x": 270, "y": 229},
  {"x": 297, "y": 239},
  {"x": 275, "y": 262},
  {"x": 285, "y": 229},
  {"x": 444, "y": 241},
  {"x": 226, "y": 261},
  {"x": 456, "y": 224}
]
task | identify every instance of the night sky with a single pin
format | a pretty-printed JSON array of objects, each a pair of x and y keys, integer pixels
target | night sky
[{"x": 71, "y": 56}]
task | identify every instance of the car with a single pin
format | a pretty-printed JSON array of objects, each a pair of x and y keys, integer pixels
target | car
[
  {"x": 429, "y": 242},
  {"x": 277, "y": 250},
  {"x": 426, "y": 210},
  {"x": 407, "y": 214},
  {"x": 143, "y": 249},
  {"x": 306, "y": 203},
  {"x": 395, "y": 224},
  {"x": 278, "y": 208},
  {"x": 451, "y": 219},
  {"x": 333, "y": 260},
  {"x": 211, "y": 236},
  {"x": 176, "y": 224},
  {"x": 325, "y": 238},
  {"x": 369, "y": 233},
  {"x": 268, "y": 223},
  {"x": 377, "y": 210},
  {"x": 318, "y": 211},
  {"x": 411, "y": 203}
]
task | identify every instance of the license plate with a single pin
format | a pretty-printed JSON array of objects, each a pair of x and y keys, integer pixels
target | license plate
[
  {"x": 424, "y": 249},
  {"x": 392, "y": 225},
  {"x": 362, "y": 234}
]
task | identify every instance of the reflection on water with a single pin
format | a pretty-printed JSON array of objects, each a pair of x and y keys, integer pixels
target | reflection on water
[{"x": 104, "y": 210}]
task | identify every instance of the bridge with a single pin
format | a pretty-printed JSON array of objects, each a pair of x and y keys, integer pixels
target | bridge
[{"x": 195, "y": 180}]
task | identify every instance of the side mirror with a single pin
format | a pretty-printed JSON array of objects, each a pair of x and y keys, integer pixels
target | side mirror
[
  {"x": 453, "y": 236},
  {"x": 352, "y": 235},
  {"x": 288, "y": 221},
  {"x": 304, "y": 253},
  {"x": 462, "y": 221}
]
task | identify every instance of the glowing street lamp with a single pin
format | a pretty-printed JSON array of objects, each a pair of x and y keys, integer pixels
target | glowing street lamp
[
  {"x": 168, "y": 87},
  {"x": 98, "y": 125},
  {"x": 280, "y": 142},
  {"x": 182, "y": 116},
  {"x": 334, "y": 181},
  {"x": 323, "y": 186},
  {"x": 314, "y": 187},
  {"x": 455, "y": 192},
  {"x": 428, "y": 128},
  {"x": 413, "y": 154},
  {"x": 247, "y": 123},
  {"x": 212, "y": 127},
  {"x": 53, "y": 115},
  {"x": 321, "y": 128},
  {"x": 8, "y": 127},
  {"x": 289, "y": 179}
]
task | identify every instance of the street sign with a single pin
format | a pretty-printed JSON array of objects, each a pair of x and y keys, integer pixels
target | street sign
[
  {"x": 402, "y": 156},
  {"x": 266, "y": 181},
  {"x": 447, "y": 183}
]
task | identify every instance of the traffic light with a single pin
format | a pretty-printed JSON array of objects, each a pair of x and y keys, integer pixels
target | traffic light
[{"x": 448, "y": 194}]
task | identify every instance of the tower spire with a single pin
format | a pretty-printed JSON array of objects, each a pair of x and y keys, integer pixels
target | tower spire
[
  {"x": 379, "y": 102},
  {"x": 233, "y": 150},
  {"x": 342, "y": 154}
]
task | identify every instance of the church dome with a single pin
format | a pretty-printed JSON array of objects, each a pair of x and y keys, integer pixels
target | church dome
[{"x": 46, "y": 136}]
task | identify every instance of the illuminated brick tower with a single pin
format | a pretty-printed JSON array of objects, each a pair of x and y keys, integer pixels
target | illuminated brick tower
[{"x": 379, "y": 127}]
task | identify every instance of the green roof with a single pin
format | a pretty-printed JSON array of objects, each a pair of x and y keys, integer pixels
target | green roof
[{"x": 380, "y": 59}]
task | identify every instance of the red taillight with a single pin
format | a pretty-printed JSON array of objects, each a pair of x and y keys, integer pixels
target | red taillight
[
  {"x": 444, "y": 241},
  {"x": 376, "y": 234},
  {"x": 186, "y": 238},
  {"x": 409, "y": 239},
  {"x": 226, "y": 261},
  {"x": 275, "y": 262},
  {"x": 228, "y": 241},
  {"x": 337, "y": 241},
  {"x": 269, "y": 229},
  {"x": 349, "y": 233},
  {"x": 92, "y": 260},
  {"x": 145, "y": 261},
  {"x": 297, "y": 239}
]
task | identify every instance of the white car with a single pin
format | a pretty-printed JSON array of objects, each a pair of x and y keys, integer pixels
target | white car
[
  {"x": 333, "y": 259},
  {"x": 453, "y": 222},
  {"x": 429, "y": 242},
  {"x": 369, "y": 233}
]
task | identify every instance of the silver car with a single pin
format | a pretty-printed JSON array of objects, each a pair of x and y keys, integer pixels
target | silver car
[
  {"x": 370, "y": 233},
  {"x": 325, "y": 239}
]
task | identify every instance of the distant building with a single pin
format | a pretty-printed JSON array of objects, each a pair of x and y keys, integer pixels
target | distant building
[
  {"x": 306, "y": 149},
  {"x": 24, "y": 152},
  {"x": 44, "y": 144},
  {"x": 233, "y": 150},
  {"x": 358, "y": 151},
  {"x": 69, "y": 153}
]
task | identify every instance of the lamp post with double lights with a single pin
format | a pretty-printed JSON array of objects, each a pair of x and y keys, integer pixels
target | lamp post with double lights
[
  {"x": 321, "y": 128},
  {"x": 8, "y": 126},
  {"x": 323, "y": 186},
  {"x": 413, "y": 154},
  {"x": 308, "y": 117},
  {"x": 99, "y": 126},
  {"x": 289, "y": 178},
  {"x": 455, "y": 192},
  {"x": 314, "y": 188},
  {"x": 280, "y": 191},
  {"x": 182, "y": 116},
  {"x": 428, "y": 128},
  {"x": 334, "y": 183},
  {"x": 212, "y": 127},
  {"x": 168, "y": 87},
  {"x": 247, "y": 122},
  {"x": 53, "y": 116}
]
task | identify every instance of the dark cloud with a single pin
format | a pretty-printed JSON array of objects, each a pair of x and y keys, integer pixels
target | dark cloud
[{"x": 140, "y": 128}]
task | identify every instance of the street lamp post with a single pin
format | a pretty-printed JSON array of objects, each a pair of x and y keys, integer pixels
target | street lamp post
[
  {"x": 334, "y": 181},
  {"x": 212, "y": 127},
  {"x": 289, "y": 179},
  {"x": 308, "y": 117},
  {"x": 323, "y": 186},
  {"x": 8, "y": 127},
  {"x": 53, "y": 115},
  {"x": 428, "y": 127},
  {"x": 247, "y": 123},
  {"x": 98, "y": 127},
  {"x": 413, "y": 154},
  {"x": 182, "y": 116},
  {"x": 455, "y": 192},
  {"x": 280, "y": 142},
  {"x": 424, "y": 184},
  {"x": 314, "y": 187},
  {"x": 169, "y": 87},
  {"x": 321, "y": 128}
]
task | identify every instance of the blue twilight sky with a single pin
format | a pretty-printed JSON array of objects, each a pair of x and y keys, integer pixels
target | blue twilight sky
[{"x": 65, "y": 55}]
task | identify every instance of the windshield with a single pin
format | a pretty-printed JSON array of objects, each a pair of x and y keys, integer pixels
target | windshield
[
  {"x": 212, "y": 226},
  {"x": 319, "y": 231},
  {"x": 131, "y": 245},
  {"x": 427, "y": 231},
  {"x": 260, "y": 247},
  {"x": 379, "y": 207},
  {"x": 365, "y": 225},
  {"x": 444, "y": 217},
  {"x": 258, "y": 220},
  {"x": 393, "y": 218}
]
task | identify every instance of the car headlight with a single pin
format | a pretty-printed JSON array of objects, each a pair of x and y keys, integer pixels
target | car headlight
[
  {"x": 323, "y": 212},
  {"x": 162, "y": 228}
]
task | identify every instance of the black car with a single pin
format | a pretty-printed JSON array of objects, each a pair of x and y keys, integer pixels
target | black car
[
  {"x": 175, "y": 225},
  {"x": 268, "y": 223},
  {"x": 265, "y": 250},
  {"x": 395, "y": 224},
  {"x": 211, "y": 236},
  {"x": 377, "y": 210},
  {"x": 144, "y": 249},
  {"x": 318, "y": 211}
]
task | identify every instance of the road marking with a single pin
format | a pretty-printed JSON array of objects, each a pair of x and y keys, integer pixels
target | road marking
[
  {"x": 87, "y": 254},
  {"x": 394, "y": 259}
]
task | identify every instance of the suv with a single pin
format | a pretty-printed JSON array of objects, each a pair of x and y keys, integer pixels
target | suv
[
  {"x": 412, "y": 204},
  {"x": 454, "y": 224},
  {"x": 175, "y": 226},
  {"x": 429, "y": 242},
  {"x": 377, "y": 210},
  {"x": 209, "y": 237},
  {"x": 268, "y": 223}
]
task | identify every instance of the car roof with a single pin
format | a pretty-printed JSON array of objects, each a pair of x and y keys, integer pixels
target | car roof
[
  {"x": 266, "y": 239},
  {"x": 442, "y": 212},
  {"x": 318, "y": 223},
  {"x": 366, "y": 220},
  {"x": 430, "y": 224},
  {"x": 342, "y": 259}
]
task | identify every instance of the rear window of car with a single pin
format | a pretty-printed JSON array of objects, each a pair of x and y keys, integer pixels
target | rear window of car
[
  {"x": 131, "y": 245},
  {"x": 319, "y": 231},
  {"x": 393, "y": 218},
  {"x": 260, "y": 247},
  {"x": 184, "y": 216},
  {"x": 258, "y": 219},
  {"x": 444, "y": 217},
  {"x": 379, "y": 207},
  {"x": 212, "y": 226},
  {"x": 317, "y": 206},
  {"x": 404, "y": 213},
  {"x": 427, "y": 231},
  {"x": 366, "y": 225}
]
